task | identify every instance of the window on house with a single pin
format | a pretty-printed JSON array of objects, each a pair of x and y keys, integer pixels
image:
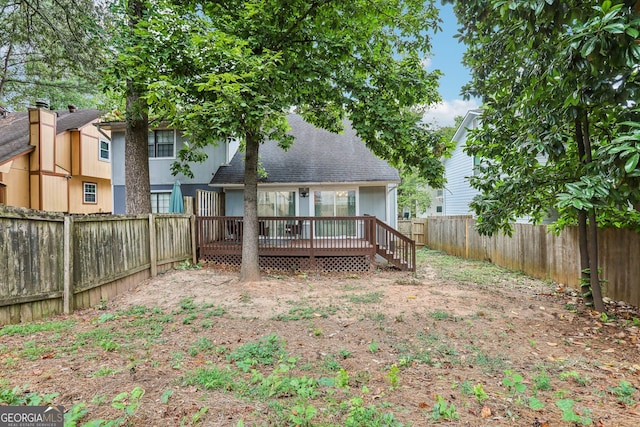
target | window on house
[
  {"x": 335, "y": 203},
  {"x": 439, "y": 193},
  {"x": 162, "y": 143},
  {"x": 438, "y": 209},
  {"x": 105, "y": 150},
  {"x": 160, "y": 202},
  {"x": 3, "y": 195},
  {"x": 90, "y": 192},
  {"x": 276, "y": 203}
]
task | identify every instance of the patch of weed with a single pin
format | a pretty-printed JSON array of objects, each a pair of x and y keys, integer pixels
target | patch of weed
[
  {"x": 369, "y": 298},
  {"x": 26, "y": 329},
  {"x": 213, "y": 378},
  {"x": 265, "y": 352},
  {"x": 439, "y": 315}
]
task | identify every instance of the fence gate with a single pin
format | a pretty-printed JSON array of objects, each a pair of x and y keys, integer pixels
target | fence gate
[{"x": 209, "y": 203}]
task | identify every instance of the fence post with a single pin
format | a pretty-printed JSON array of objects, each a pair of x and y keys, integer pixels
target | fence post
[
  {"x": 152, "y": 246},
  {"x": 67, "y": 265},
  {"x": 194, "y": 247}
]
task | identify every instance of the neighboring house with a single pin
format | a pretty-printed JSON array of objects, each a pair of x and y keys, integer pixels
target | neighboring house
[
  {"x": 164, "y": 144},
  {"x": 457, "y": 194},
  {"x": 436, "y": 208},
  {"x": 55, "y": 161},
  {"x": 322, "y": 174}
]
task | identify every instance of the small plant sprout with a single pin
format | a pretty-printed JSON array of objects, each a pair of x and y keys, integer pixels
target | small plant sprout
[
  {"x": 373, "y": 347},
  {"x": 442, "y": 410},
  {"x": 480, "y": 394},
  {"x": 392, "y": 375}
]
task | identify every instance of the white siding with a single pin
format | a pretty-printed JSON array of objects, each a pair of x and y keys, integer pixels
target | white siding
[{"x": 457, "y": 192}]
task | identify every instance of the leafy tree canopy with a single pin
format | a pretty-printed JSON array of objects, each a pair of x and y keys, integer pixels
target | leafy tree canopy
[
  {"x": 50, "y": 50},
  {"x": 219, "y": 69},
  {"x": 539, "y": 66}
]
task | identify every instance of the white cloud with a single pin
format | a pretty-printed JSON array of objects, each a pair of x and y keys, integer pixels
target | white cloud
[{"x": 444, "y": 113}]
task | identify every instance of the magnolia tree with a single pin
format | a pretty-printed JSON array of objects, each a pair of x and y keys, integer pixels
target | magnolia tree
[
  {"x": 559, "y": 126},
  {"x": 236, "y": 69}
]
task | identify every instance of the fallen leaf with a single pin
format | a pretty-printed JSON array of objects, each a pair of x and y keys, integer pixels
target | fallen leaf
[
  {"x": 411, "y": 297},
  {"x": 609, "y": 350},
  {"x": 552, "y": 344},
  {"x": 423, "y": 405},
  {"x": 486, "y": 412}
]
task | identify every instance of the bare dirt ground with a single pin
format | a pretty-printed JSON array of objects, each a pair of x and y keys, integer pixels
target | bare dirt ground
[{"x": 458, "y": 343}]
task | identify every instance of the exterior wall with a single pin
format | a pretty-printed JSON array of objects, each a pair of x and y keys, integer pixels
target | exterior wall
[
  {"x": 17, "y": 182},
  {"x": 369, "y": 200},
  {"x": 76, "y": 196},
  {"x": 372, "y": 202},
  {"x": 63, "y": 153},
  {"x": 457, "y": 192},
  {"x": 160, "y": 169},
  {"x": 86, "y": 149},
  {"x": 54, "y": 192}
]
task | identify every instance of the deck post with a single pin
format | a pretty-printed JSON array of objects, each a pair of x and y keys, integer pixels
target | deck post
[{"x": 312, "y": 255}]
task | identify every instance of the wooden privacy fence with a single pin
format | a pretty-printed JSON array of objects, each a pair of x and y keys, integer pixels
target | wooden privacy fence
[
  {"x": 539, "y": 253},
  {"x": 52, "y": 263},
  {"x": 415, "y": 228}
]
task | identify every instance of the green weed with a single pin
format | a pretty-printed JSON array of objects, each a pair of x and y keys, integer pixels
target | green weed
[
  {"x": 370, "y": 298},
  {"x": 265, "y": 352},
  {"x": 26, "y": 329},
  {"x": 569, "y": 415},
  {"x": 213, "y": 378},
  {"x": 442, "y": 410},
  {"x": 439, "y": 315},
  {"x": 625, "y": 392}
]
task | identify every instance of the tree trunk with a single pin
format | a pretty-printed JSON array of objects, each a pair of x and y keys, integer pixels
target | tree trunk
[
  {"x": 583, "y": 240},
  {"x": 136, "y": 138},
  {"x": 594, "y": 273},
  {"x": 250, "y": 268}
]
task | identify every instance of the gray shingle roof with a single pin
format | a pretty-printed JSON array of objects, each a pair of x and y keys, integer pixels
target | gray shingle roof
[
  {"x": 316, "y": 156},
  {"x": 14, "y": 129}
]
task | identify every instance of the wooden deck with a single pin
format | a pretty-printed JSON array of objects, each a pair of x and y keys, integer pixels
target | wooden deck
[{"x": 220, "y": 239}]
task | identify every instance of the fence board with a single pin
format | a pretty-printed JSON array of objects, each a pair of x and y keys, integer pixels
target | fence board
[
  {"x": 108, "y": 254},
  {"x": 539, "y": 253}
]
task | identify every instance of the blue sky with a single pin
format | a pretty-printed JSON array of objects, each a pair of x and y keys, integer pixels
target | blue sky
[{"x": 447, "y": 57}]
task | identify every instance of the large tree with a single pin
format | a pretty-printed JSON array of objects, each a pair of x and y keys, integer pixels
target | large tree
[
  {"x": 559, "y": 84},
  {"x": 237, "y": 68},
  {"x": 50, "y": 50},
  {"x": 128, "y": 74}
]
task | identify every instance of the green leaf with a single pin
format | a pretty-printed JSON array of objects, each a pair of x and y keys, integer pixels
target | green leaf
[
  {"x": 535, "y": 404},
  {"x": 588, "y": 47},
  {"x": 617, "y": 28},
  {"x": 631, "y": 163}
]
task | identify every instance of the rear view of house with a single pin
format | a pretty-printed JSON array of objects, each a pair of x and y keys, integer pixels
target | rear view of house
[{"x": 56, "y": 161}]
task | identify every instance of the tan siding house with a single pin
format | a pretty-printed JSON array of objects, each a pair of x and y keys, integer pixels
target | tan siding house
[{"x": 55, "y": 161}]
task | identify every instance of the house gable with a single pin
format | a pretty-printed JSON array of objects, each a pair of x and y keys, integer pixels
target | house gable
[
  {"x": 41, "y": 160},
  {"x": 318, "y": 161},
  {"x": 316, "y": 156}
]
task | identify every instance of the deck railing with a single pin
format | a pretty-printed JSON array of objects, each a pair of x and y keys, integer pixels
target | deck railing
[{"x": 302, "y": 236}]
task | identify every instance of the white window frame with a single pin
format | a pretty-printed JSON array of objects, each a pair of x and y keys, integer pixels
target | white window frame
[
  {"x": 100, "y": 142},
  {"x": 86, "y": 193},
  {"x": 156, "y": 193}
]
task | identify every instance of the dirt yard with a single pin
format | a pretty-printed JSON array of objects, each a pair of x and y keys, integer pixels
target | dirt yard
[{"x": 458, "y": 343}]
